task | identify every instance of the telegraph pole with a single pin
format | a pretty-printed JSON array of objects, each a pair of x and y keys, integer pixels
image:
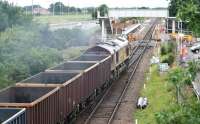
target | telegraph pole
[
  {"x": 77, "y": 10},
  {"x": 68, "y": 8},
  {"x": 53, "y": 4},
  {"x": 32, "y": 7},
  {"x": 26, "y": 11},
  {"x": 38, "y": 9},
  {"x": 60, "y": 8}
]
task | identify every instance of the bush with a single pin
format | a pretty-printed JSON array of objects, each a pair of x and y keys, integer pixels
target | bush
[
  {"x": 25, "y": 51},
  {"x": 38, "y": 59},
  {"x": 168, "y": 52},
  {"x": 27, "y": 48},
  {"x": 168, "y": 59},
  {"x": 176, "y": 114},
  {"x": 168, "y": 48},
  {"x": 4, "y": 21},
  {"x": 163, "y": 50},
  {"x": 171, "y": 47}
]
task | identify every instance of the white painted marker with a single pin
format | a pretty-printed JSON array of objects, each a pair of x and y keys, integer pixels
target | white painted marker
[{"x": 136, "y": 121}]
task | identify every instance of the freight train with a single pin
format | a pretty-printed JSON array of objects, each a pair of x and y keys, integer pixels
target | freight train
[{"x": 59, "y": 94}]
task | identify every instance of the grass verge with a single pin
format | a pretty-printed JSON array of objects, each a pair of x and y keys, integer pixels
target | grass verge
[{"x": 159, "y": 94}]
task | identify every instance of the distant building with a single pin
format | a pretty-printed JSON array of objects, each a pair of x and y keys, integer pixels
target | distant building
[{"x": 41, "y": 11}]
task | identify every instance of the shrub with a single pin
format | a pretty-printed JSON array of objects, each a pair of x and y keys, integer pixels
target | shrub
[
  {"x": 168, "y": 52},
  {"x": 169, "y": 58},
  {"x": 171, "y": 46},
  {"x": 163, "y": 50},
  {"x": 176, "y": 114}
]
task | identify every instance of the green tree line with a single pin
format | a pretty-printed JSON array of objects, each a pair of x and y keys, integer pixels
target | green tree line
[
  {"x": 59, "y": 7},
  {"x": 25, "y": 51}
]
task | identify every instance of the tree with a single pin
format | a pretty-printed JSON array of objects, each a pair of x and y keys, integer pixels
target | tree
[
  {"x": 143, "y": 7},
  {"x": 179, "y": 77},
  {"x": 193, "y": 69},
  {"x": 94, "y": 14},
  {"x": 103, "y": 9},
  {"x": 168, "y": 52},
  {"x": 4, "y": 21},
  {"x": 173, "y": 8},
  {"x": 187, "y": 11},
  {"x": 90, "y": 9},
  {"x": 185, "y": 114},
  {"x": 24, "y": 53},
  {"x": 40, "y": 59},
  {"x": 11, "y": 15},
  {"x": 190, "y": 12},
  {"x": 57, "y": 8}
]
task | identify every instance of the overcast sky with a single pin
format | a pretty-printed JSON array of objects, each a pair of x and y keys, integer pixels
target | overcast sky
[{"x": 87, "y": 3}]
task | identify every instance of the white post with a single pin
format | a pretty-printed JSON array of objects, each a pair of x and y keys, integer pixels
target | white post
[
  {"x": 173, "y": 26},
  {"x": 136, "y": 121},
  {"x": 167, "y": 26},
  {"x": 98, "y": 14},
  {"x": 102, "y": 29}
]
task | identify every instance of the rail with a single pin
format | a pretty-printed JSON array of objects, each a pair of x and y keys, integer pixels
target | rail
[
  {"x": 149, "y": 35},
  {"x": 136, "y": 57}
]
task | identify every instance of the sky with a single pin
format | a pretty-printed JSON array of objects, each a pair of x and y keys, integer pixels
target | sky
[{"x": 88, "y": 3}]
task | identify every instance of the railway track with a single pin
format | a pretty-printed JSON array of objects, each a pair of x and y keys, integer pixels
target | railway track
[{"x": 107, "y": 107}]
